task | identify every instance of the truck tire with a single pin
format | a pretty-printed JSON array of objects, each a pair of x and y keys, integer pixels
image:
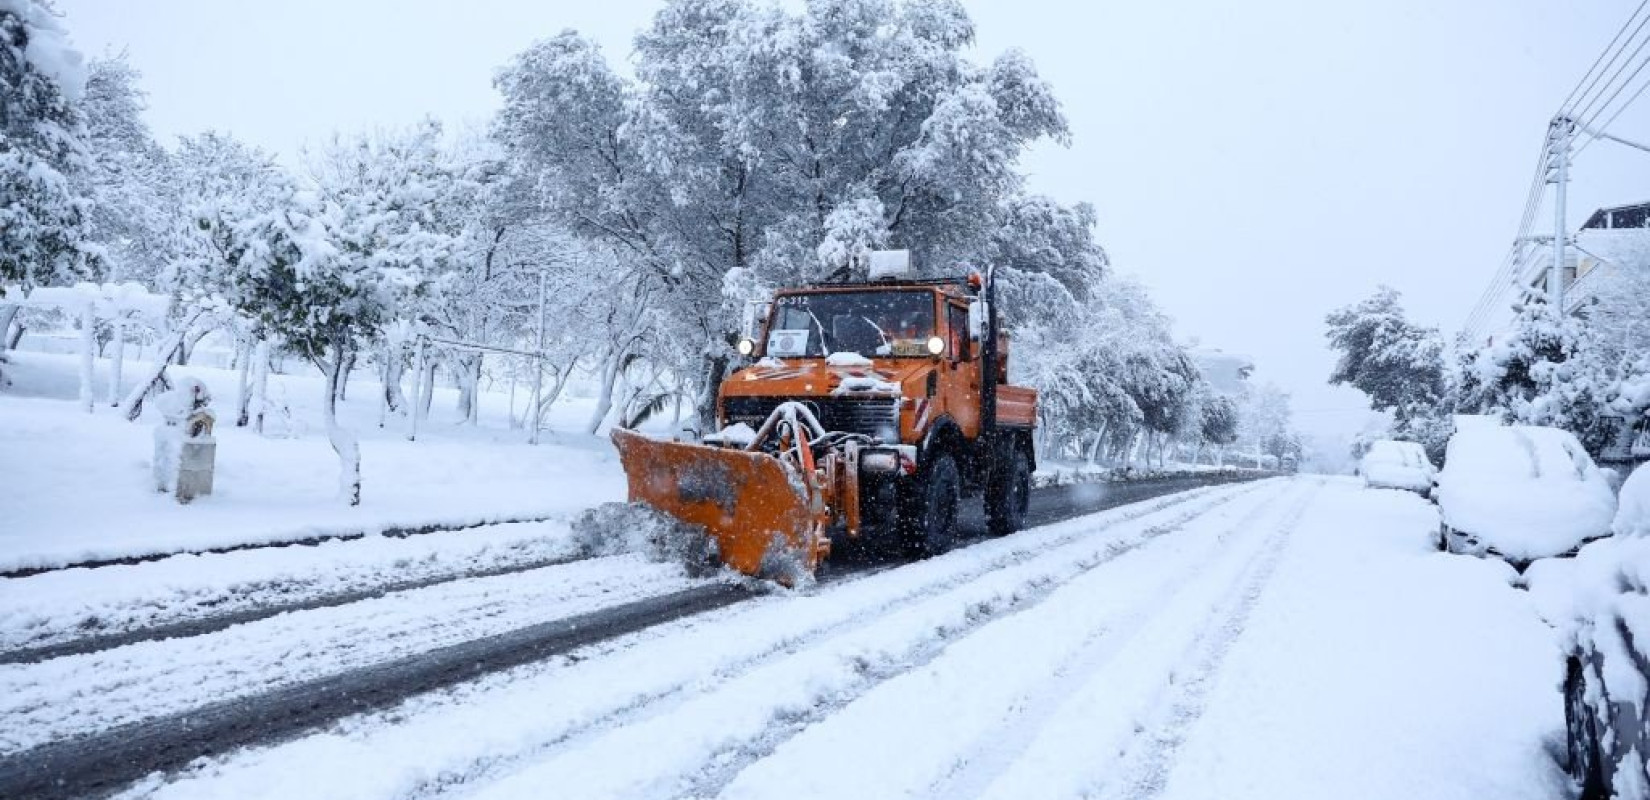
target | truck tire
[
  {"x": 1008, "y": 496},
  {"x": 930, "y": 516}
]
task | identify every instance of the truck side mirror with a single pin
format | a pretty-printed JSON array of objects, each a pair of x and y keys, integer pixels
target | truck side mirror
[
  {"x": 756, "y": 317},
  {"x": 978, "y": 313}
]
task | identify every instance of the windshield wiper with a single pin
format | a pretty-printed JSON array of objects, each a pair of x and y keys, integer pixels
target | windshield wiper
[
  {"x": 887, "y": 343},
  {"x": 821, "y": 326}
]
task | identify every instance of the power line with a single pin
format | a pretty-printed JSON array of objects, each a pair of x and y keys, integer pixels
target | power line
[
  {"x": 1568, "y": 108},
  {"x": 1585, "y": 118},
  {"x": 1599, "y": 131},
  {"x": 1532, "y": 203},
  {"x": 1578, "y": 108}
]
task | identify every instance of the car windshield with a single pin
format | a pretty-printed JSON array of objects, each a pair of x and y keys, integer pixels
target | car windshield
[{"x": 873, "y": 324}]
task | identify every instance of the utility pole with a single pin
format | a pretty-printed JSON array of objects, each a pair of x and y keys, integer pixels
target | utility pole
[{"x": 1563, "y": 129}]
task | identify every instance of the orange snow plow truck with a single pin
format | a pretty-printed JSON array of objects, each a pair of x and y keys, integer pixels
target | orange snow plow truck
[{"x": 866, "y": 412}]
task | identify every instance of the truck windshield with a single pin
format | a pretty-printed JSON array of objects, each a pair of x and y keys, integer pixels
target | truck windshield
[{"x": 873, "y": 324}]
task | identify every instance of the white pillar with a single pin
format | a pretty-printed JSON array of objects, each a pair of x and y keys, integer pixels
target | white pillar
[
  {"x": 88, "y": 351},
  {"x": 117, "y": 360}
]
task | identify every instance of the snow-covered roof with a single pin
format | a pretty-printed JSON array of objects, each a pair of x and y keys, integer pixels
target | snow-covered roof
[{"x": 1627, "y": 248}]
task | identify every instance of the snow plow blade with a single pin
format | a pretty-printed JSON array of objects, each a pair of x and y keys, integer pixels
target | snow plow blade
[{"x": 751, "y": 504}]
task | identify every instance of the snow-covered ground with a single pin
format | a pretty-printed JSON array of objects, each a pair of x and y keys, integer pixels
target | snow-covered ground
[
  {"x": 1294, "y": 638},
  {"x": 1290, "y": 638},
  {"x": 77, "y": 487}
]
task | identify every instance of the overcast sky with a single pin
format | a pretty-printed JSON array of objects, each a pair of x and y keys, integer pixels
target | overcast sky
[{"x": 1256, "y": 164}]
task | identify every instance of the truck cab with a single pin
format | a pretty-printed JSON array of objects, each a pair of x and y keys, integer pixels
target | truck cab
[{"x": 917, "y": 369}]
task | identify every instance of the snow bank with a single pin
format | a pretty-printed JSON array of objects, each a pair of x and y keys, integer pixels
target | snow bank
[
  {"x": 1529, "y": 492},
  {"x": 68, "y": 604},
  {"x": 78, "y": 487}
]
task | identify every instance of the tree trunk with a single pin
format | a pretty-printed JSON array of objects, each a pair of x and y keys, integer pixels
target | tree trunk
[
  {"x": 716, "y": 368},
  {"x": 343, "y": 442},
  {"x": 186, "y": 346},
  {"x": 260, "y": 385},
  {"x": 555, "y": 390},
  {"x": 344, "y": 372},
  {"x": 515, "y": 424},
  {"x": 117, "y": 362},
  {"x": 429, "y": 390},
  {"x": 394, "y": 400},
  {"x": 243, "y": 382},
  {"x": 1094, "y": 449},
  {"x": 469, "y": 387},
  {"x": 604, "y": 402},
  {"x": 8, "y": 340}
]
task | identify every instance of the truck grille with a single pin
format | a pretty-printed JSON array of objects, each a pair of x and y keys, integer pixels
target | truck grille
[{"x": 877, "y": 417}]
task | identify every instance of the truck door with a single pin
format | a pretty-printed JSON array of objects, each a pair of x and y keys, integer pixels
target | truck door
[{"x": 960, "y": 372}]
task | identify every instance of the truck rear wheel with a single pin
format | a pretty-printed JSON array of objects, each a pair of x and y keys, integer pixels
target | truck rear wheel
[
  {"x": 930, "y": 517},
  {"x": 1008, "y": 496}
]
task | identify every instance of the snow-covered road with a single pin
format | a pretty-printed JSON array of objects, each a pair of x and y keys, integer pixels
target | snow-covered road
[{"x": 1290, "y": 638}]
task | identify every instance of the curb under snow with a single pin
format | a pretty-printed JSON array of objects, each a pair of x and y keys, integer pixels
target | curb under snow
[{"x": 301, "y": 538}]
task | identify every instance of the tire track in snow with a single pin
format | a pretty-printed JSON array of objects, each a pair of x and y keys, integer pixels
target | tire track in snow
[
  {"x": 79, "y": 695},
  {"x": 989, "y": 758},
  {"x": 727, "y": 729},
  {"x": 901, "y": 731},
  {"x": 611, "y": 702},
  {"x": 1110, "y": 721},
  {"x": 661, "y": 702},
  {"x": 201, "y": 626},
  {"x": 194, "y": 616},
  {"x": 1144, "y": 770},
  {"x": 103, "y": 762}
]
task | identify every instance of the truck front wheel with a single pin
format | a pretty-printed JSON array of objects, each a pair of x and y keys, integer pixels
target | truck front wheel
[
  {"x": 930, "y": 515},
  {"x": 1008, "y": 495}
]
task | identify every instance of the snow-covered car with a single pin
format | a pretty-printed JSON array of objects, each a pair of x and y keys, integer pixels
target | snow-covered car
[
  {"x": 1602, "y": 609},
  {"x": 1520, "y": 492},
  {"x": 1397, "y": 465}
]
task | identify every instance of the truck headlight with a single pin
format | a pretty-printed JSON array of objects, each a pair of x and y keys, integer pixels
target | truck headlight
[
  {"x": 746, "y": 347},
  {"x": 936, "y": 345}
]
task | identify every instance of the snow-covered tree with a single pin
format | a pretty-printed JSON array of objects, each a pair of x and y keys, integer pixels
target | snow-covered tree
[
  {"x": 297, "y": 271},
  {"x": 1266, "y": 422},
  {"x": 1546, "y": 372},
  {"x": 129, "y": 176},
  {"x": 1218, "y": 422},
  {"x": 44, "y": 236},
  {"x": 1397, "y": 363},
  {"x": 399, "y": 206},
  {"x": 775, "y": 146}
]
